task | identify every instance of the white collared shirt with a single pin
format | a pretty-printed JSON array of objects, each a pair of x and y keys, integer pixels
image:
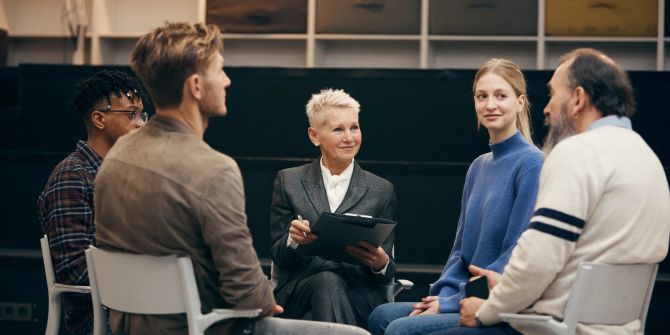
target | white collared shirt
[
  {"x": 336, "y": 186},
  {"x": 336, "y": 189}
]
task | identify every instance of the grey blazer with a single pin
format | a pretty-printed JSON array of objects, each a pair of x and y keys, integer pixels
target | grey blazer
[{"x": 300, "y": 190}]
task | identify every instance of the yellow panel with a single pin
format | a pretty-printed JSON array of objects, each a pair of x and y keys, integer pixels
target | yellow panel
[{"x": 602, "y": 17}]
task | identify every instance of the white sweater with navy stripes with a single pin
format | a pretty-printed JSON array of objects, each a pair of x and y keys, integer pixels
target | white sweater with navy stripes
[{"x": 603, "y": 198}]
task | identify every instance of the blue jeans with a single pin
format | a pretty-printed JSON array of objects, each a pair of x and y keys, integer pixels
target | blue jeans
[
  {"x": 393, "y": 318},
  {"x": 500, "y": 329}
]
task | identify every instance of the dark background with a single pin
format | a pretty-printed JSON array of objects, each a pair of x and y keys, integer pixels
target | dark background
[{"x": 419, "y": 132}]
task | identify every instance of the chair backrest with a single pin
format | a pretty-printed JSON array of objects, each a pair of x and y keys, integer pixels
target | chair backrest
[
  {"x": 150, "y": 285},
  {"x": 139, "y": 284},
  {"x": 55, "y": 289},
  {"x": 611, "y": 294},
  {"x": 48, "y": 266},
  {"x": 274, "y": 275}
]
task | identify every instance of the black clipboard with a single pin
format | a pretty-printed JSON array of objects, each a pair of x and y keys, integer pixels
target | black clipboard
[{"x": 336, "y": 231}]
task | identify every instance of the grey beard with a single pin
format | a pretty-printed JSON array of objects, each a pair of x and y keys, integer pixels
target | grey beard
[{"x": 557, "y": 132}]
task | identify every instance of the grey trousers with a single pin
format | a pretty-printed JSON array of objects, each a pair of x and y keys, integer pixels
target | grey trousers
[
  {"x": 278, "y": 326},
  {"x": 326, "y": 296}
]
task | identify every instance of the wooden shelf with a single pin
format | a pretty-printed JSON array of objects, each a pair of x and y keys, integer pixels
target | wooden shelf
[
  {"x": 483, "y": 38},
  {"x": 367, "y": 37},
  {"x": 601, "y": 39},
  {"x": 41, "y": 35},
  {"x": 265, "y": 36},
  {"x": 115, "y": 25}
]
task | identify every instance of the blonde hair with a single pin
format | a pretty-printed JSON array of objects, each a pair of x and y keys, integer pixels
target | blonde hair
[
  {"x": 512, "y": 74},
  {"x": 165, "y": 57},
  {"x": 326, "y": 100}
]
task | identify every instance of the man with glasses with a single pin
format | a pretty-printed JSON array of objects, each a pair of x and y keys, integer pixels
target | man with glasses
[{"x": 111, "y": 104}]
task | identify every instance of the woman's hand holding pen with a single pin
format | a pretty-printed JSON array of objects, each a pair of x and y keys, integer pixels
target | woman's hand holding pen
[{"x": 300, "y": 232}]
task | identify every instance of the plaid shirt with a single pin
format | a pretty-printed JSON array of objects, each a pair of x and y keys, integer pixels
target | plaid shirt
[{"x": 65, "y": 211}]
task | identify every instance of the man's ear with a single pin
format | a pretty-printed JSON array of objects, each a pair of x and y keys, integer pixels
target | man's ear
[
  {"x": 311, "y": 132},
  {"x": 580, "y": 101},
  {"x": 193, "y": 86},
  {"x": 97, "y": 120}
]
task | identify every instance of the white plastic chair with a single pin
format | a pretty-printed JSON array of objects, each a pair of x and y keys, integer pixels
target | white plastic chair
[
  {"x": 144, "y": 284},
  {"x": 395, "y": 286},
  {"x": 605, "y": 294},
  {"x": 55, "y": 289}
]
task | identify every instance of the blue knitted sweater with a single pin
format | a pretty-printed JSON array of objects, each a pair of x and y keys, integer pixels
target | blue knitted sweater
[{"x": 498, "y": 200}]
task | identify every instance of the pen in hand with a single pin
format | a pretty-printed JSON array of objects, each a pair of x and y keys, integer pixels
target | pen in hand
[{"x": 300, "y": 219}]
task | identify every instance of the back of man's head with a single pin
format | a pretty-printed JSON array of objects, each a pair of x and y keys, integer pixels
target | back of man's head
[
  {"x": 95, "y": 92},
  {"x": 165, "y": 57},
  {"x": 603, "y": 80}
]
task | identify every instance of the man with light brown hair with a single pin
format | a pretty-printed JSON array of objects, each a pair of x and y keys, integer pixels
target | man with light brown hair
[{"x": 196, "y": 193}]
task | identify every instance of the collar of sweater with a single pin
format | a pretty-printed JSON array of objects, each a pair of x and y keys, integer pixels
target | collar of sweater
[{"x": 511, "y": 144}]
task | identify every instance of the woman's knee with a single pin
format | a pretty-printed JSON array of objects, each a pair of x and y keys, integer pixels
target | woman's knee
[
  {"x": 383, "y": 315},
  {"x": 378, "y": 320},
  {"x": 327, "y": 281},
  {"x": 386, "y": 313},
  {"x": 401, "y": 326},
  {"x": 377, "y": 316}
]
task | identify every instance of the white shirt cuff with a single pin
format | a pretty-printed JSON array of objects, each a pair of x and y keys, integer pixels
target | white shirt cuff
[
  {"x": 380, "y": 272},
  {"x": 290, "y": 243}
]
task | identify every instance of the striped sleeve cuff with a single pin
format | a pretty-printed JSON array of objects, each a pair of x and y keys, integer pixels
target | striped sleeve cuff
[{"x": 557, "y": 224}]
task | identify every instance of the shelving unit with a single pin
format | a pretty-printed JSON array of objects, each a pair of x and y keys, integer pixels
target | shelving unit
[
  {"x": 117, "y": 24},
  {"x": 38, "y": 33}
]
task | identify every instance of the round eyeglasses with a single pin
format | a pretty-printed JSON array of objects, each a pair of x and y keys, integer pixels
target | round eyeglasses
[{"x": 136, "y": 116}]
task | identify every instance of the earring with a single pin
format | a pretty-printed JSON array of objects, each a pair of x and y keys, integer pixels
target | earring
[{"x": 316, "y": 144}]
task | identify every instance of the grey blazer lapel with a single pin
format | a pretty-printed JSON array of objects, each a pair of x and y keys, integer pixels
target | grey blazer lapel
[
  {"x": 316, "y": 191},
  {"x": 355, "y": 192}
]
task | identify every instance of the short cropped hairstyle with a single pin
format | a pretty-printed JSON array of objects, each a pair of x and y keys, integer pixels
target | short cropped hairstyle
[
  {"x": 326, "y": 100},
  {"x": 165, "y": 57},
  {"x": 604, "y": 81},
  {"x": 94, "y": 92},
  {"x": 512, "y": 74}
]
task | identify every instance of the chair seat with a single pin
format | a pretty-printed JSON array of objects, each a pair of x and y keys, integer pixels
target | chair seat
[
  {"x": 603, "y": 294},
  {"x": 507, "y": 317},
  {"x": 238, "y": 313}
]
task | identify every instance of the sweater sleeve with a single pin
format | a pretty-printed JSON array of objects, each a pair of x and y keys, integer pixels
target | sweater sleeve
[
  {"x": 455, "y": 271},
  {"x": 570, "y": 183},
  {"x": 527, "y": 182}
]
